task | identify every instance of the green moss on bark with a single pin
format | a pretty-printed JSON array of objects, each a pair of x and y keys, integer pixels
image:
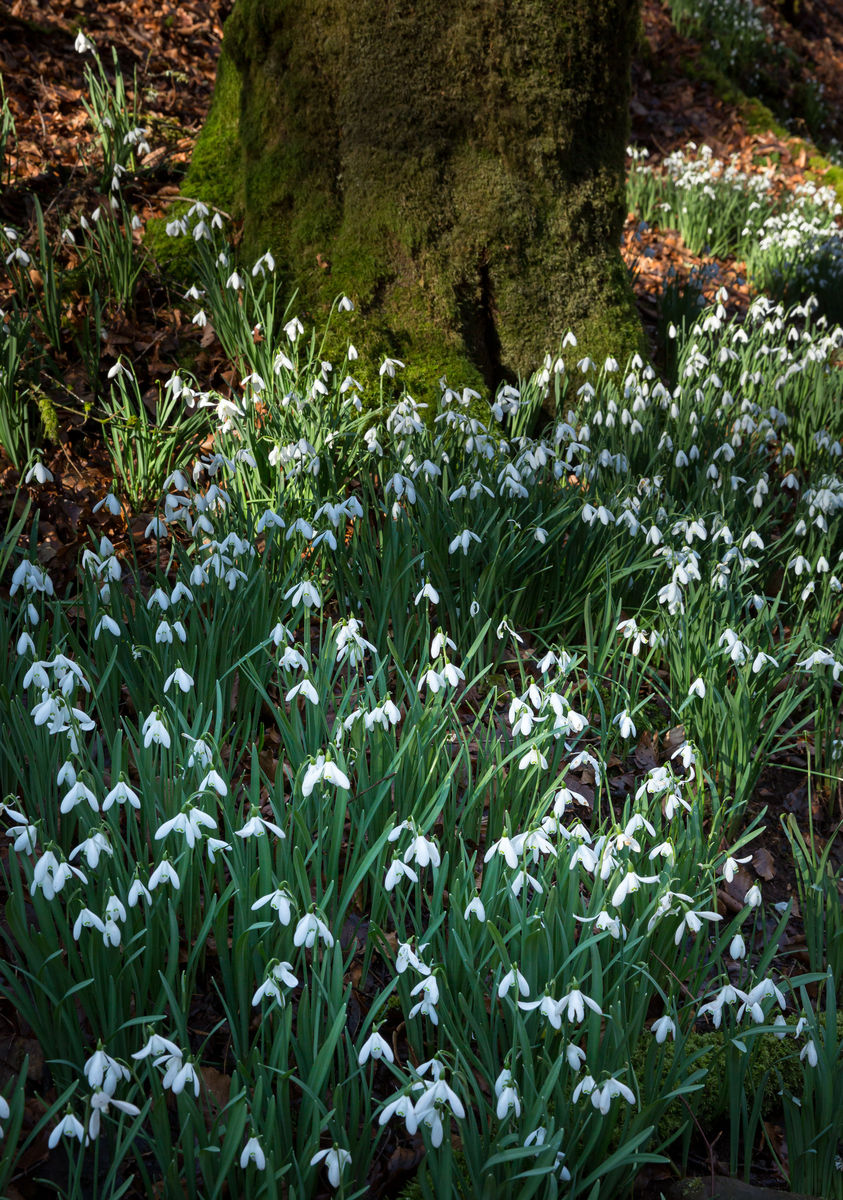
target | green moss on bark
[{"x": 455, "y": 167}]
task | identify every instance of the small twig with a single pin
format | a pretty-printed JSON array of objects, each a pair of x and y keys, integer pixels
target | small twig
[{"x": 193, "y": 200}]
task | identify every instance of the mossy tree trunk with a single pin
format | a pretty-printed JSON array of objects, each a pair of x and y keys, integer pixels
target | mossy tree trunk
[{"x": 455, "y": 166}]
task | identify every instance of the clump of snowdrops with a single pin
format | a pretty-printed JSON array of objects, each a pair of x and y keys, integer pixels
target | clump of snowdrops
[{"x": 792, "y": 241}]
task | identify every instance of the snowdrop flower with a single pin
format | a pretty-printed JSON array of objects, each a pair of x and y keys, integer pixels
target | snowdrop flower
[
  {"x": 388, "y": 367},
  {"x": 426, "y": 1007},
  {"x": 625, "y": 722},
  {"x": 463, "y": 540},
  {"x": 406, "y": 957},
  {"x": 92, "y": 848},
  {"x": 663, "y": 1027},
  {"x": 293, "y": 329},
  {"x": 428, "y": 592},
  {"x": 39, "y": 473},
  {"x": 83, "y": 45},
  {"x": 100, "y": 1102},
  {"x": 631, "y": 882},
  {"x": 154, "y": 730},
  {"x": 189, "y": 824},
  {"x": 533, "y": 758},
  {"x": 256, "y": 826},
  {"x": 691, "y": 921},
  {"x": 68, "y": 1126},
  {"x": 253, "y": 1153},
  {"x": 50, "y": 875},
  {"x": 280, "y": 900},
  {"x": 375, "y": 1047},
  {"x": 180, "y": 1075},
  {"x": 323, "y": 769},
  {"x": 103, "y": 1071},
  {"x": 309, "y": 928},
  {"x": 727, "y": 995},
  {"x": 76, "y": 795},
  {"x": 181, "y": 678},
  {"x": 697, "y": 688},
  {"x": 165, "y": 872},
  {"x": 213, "y": 781},
  {"x": 602, "y": 1096},
  {"x": 278, "y": 973},
  {"x": 753, "y": 896},
  {"x": 336, "y": 1160},
  {"x": 737, "y": 948},
  {"x": 575, "y": 1002},
  {"x": 304, "y": 688},
  {"x": 508, "y": 1099},
  {"x": 475, "y": 908},
  {"x": 398, "y": 870},
  {"x": 809, "y": 1053},
  {"x": 505, "y": 847},
  {"x": 87, "y": 920},
  {"x": 513, "y": 978},
  {"x": 138, "y": 891},
  {"x": 304, "y": 593},
  {"x": 731, "y": 866}
]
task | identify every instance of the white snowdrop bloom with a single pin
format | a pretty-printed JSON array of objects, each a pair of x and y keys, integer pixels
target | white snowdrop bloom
[
  {"x": 625, "y": 723},
  {"x": 213, "y": 781},
  {"x": 737, "y": 948},
  {"x": 304, "y": 688},
  {"x": 257, "y": 826},
  {"x": 402, "y": 1106},
  {"x": 428, "y": 592},
  {"x": 39, "y": 473},
  {"x": 323, "y": 769},
  {"x": 631, "y": 882},
  {"x": 432, "y": 680},
  {"x": 68, "y": 1126},
  {"x": 280, "y": 901},
  {"x": 475, "y": 908},
  {"x": 305, "y": 593},
  {"x": 375, "y": 1047},
  {"x": 426, "y": 1007},
  {"x": 309, "y": 929},
  {"x": 189, "y": 824},
  {"x": 253, "y": 1153},
  {"x": 336, "y": 1160},
  {"x": 533, "y": 758},
  {"x": 87, "y": 920},
  {"x": 75, "y": 795},
  {"x": 809, "y": 1053},
  {"x": 663, "y": 1028},
  {"x": 398, "y": 870},
  {"x": 753, "y": 896},
  {"x": 91, "y": 849},
  {"x": 165, "y": 872},
  {"x": 730, "y": 867},
  {"x": 180, "y": 677},
  {"x": 513, "y": 979},
  {"x": 138, "y": 891},
  {"x": 508, "y": 1100},
  {"x": 463, "y": 541},
  {"x": 155, "y": 731}
]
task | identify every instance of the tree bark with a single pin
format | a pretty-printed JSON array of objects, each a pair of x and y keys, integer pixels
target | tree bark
[{"x": 455, "y": 166}]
